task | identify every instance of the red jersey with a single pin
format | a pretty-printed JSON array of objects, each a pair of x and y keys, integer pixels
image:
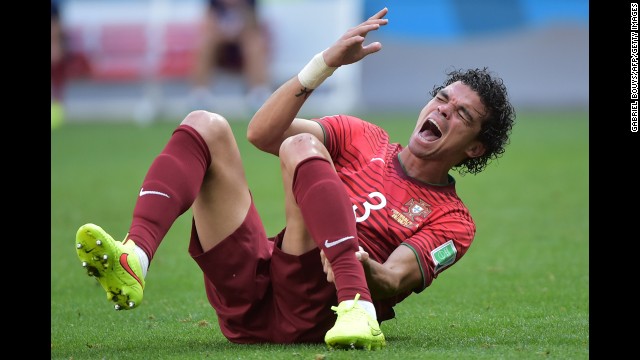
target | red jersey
[{"x": 393, "y": 209}]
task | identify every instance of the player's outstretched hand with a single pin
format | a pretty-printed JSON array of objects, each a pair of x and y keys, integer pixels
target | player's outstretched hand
[{"x": 350, "y": 47}]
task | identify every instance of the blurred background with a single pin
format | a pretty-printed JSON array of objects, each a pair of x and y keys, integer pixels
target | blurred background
[{"x": 133, "y": 60}]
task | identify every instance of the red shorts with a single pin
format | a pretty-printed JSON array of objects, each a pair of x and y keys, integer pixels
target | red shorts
[{"x": 261, "y": 294}]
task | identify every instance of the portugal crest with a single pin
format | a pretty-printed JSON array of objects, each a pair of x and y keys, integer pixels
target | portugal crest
[{"x": 412, "y": 209}]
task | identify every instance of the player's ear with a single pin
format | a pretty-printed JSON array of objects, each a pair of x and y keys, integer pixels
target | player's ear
[{"x": 475, "y": 149}]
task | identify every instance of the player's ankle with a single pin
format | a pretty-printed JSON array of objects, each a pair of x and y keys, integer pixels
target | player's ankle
[
  {"x": 366, "y": 305},
  {"x": 144, "y": 260}
]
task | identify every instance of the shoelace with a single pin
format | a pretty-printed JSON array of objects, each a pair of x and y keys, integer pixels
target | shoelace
[{"x": 345, "y": 309}]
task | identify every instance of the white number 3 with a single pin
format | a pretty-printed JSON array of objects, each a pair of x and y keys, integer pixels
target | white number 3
[{"x": 368, "y": 207}]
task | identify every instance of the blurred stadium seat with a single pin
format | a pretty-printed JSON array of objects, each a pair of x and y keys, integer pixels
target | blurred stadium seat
[
  {"x": 120, "y": 53},
  {"x": 125, "y": 52},
  {"x": 178, "y": 50}
]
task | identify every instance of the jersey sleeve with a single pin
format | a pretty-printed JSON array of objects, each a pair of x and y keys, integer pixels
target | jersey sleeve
[
  {"x": 441, "y": 243},
  {"x": 340, "y": 131}
]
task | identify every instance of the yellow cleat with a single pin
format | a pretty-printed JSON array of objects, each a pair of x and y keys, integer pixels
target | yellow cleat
[
  {"x": 113, "y": 263},
  {"x": 57, "y": 115},
  {"x": 354, "y": 329}
]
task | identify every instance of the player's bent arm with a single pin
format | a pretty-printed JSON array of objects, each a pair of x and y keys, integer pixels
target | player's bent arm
[
  {"x": 399, "y": 274},
  {"x": 276, "y": 119}
]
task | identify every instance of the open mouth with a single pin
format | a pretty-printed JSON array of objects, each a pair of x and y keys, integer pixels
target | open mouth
[{"x": 430, "y": 131}]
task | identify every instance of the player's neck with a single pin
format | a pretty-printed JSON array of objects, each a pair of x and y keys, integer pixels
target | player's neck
[{"x": 429, "y": 172}]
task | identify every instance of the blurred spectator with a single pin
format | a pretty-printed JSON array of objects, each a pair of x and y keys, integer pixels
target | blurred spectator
[
  {"x": 232, "y": 38},
  {"x": 58, "y": 76}
]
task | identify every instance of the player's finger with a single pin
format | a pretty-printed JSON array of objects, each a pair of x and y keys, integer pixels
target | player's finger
[
  {"x": 362, "y": 255},
  {"x": 366, "y": 28},
  {"x": 327, "y": 270},
  {"x": 371, "y": 48},
  {"x": 363, "y": 29},
  {"x": 380, "y": 14},
  {"x": 353, "y": 41}
]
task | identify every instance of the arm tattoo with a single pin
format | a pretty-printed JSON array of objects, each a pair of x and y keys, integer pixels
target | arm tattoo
[{"x": 304, "y": 91}]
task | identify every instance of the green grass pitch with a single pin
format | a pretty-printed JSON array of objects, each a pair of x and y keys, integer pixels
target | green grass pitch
[{"x": 522, "y": 290}]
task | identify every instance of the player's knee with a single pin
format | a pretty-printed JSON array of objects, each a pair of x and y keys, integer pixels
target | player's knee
[
  {"x": 298, "y": 147},
  {"x": 213, "y": 127}
]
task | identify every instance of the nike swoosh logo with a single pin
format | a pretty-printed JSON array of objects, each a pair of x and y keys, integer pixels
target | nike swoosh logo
[
  {"x": 150, "y": 192},
  {"x": 374, "y": 331},
  {"x": 378, "y": 159},
  {"x": 334, "y": 243},
  {"x": 125, "y": 264}
]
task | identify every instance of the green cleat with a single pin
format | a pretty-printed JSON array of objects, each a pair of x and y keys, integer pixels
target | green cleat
[
  {"x": 113, "y": 263},
  {"x": 57, "y": 115},
  {"x": 354, "y": 329}
]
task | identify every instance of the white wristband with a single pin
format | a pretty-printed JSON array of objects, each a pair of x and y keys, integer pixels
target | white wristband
[{"x": 315, "y": 72}]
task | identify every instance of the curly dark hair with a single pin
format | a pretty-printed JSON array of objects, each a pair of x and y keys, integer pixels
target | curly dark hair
[{"x": 498, "y": 122}]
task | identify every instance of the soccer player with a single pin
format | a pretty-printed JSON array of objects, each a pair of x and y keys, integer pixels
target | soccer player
[{"x": 368, "y": 222}]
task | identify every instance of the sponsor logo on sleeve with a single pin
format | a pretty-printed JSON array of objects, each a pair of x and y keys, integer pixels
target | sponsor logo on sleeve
[{"x": 444, "y": 255}]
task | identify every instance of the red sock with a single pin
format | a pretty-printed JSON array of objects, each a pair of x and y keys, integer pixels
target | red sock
[
  {"x": 328, "y": 216},
  {"x": 58, "y": 78},
  {"x": 169, "y": 187}
]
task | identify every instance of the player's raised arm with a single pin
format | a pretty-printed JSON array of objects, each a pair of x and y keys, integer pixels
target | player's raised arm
[{"x": 276, "y": 119}]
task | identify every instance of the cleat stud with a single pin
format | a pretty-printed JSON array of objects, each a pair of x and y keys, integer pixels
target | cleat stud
[
  {"x": 105, "y": 257},
  {"x": 117, "y": 307},
  {"x": 84, "y": 264},
  {"x": 98, "y": 242},
  {"x": 131, "y": 304},
  {"x": 78, "y": 246}
]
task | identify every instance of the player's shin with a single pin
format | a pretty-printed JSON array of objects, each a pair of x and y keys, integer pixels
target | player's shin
[{"x": 328, "y": 216}]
